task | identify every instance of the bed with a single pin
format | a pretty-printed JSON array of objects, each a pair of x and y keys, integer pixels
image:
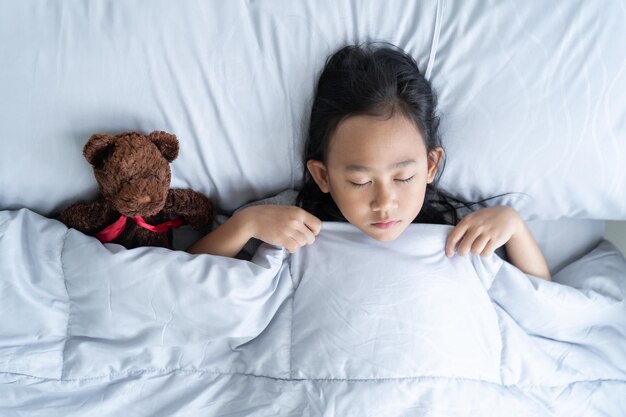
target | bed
[{"x": 530, "y": 101}]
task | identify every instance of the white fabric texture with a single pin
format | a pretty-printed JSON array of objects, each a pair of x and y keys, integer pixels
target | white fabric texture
[
  {"x": 346, "y": 326},
  {"x": 530, "y": 101},
  {"x": 530, "y": 98}
]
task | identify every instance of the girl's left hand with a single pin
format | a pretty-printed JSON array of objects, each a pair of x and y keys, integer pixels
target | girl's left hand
[{"x": 484, "y": 231}]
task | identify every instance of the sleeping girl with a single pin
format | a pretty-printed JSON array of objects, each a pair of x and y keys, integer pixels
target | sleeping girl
[{"x": 373, "y": 157}]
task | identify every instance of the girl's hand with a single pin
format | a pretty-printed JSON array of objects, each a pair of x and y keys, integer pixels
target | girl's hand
[
  {"x": 288, "y": 226},
  {"x": 484, "y": 231}
]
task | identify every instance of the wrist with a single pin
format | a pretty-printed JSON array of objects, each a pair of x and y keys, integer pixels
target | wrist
[
  {"x": 243, "y": 221},
  {"x": 519, "y": 227}
]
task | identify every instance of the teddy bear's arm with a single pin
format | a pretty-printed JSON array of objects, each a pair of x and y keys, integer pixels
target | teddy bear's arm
[
  {"x": 88, "y": 218},
  {"x": 195, "y": 208}
]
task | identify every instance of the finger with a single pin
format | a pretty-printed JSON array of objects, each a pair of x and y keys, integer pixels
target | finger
[
  {"x": 313, "y": 223},
  {"x": 488, "y": 250},
  {"x": 289, "y": 245},
  {"x": 466, "y": 243},
  {"x": 308, "y": 234},
  {"x": 479, "y": 243},
  {"x": 298, "y": 237},
  {"x": 492, "y": 246},
  {"x": 455, "y": 235}
]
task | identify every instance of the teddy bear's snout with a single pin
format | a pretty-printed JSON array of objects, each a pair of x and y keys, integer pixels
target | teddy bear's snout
[
  {"x": 144, "y": 199},
  {"x": 141, "y": 197}
]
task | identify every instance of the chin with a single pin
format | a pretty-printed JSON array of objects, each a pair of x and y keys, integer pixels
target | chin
[
  {"x": 385, "y": 237},
  {"x": 390, "y": 238}
]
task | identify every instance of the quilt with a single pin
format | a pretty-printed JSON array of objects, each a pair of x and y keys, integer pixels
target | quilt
[{"x": 347, "y": 326}]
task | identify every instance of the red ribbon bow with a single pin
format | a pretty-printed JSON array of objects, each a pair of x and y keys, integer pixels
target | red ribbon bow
[{"x": 111, "y": 232}]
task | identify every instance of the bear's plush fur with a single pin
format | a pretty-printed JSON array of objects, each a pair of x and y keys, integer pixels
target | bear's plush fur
[{"x": 133, "y": 174}]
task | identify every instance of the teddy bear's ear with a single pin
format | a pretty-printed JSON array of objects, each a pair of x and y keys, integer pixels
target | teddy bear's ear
[
  {"x": 97, "y": 147},
  {"x": 167, "y": 144}
]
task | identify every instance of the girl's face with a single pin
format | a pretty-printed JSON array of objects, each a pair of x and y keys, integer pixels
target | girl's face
[{"x": 376, "y": 172}]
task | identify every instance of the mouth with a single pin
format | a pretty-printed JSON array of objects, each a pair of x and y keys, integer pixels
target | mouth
[{"x": 386, "y": 224}]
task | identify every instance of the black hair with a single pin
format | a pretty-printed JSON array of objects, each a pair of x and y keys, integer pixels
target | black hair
[{"x": 375, "y": 79}]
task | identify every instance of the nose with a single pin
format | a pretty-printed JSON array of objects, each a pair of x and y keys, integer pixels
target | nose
[
  {"x": 141, "y": 197},
  {"x": 144, "y": 199},
  {"x": 384, "y": 199}
]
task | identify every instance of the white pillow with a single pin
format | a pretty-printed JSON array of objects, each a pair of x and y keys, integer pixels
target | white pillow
[
  {"x": 233, "y": 81},
  {"x": 530, "y": 101}
]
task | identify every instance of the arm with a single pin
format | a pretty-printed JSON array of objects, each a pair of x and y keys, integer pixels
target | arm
[
  {"x": 288, "y": 226},
  {"x": 485, "y": 230},
  {"x": 226, "y": 240},
  {"x": 523, "y": 252},
  {"x": 87, "y": 218},
  {"x": 194, "y": 207}
]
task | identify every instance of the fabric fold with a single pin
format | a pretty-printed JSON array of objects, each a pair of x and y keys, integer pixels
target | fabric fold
[{"x": 347, "y": 320}]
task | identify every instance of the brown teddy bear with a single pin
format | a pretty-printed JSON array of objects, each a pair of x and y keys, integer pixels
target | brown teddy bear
[{"x": 136, "y": 206}]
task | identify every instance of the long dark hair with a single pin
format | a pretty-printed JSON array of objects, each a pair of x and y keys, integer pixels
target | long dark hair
[{"x": 375, "y": 79}]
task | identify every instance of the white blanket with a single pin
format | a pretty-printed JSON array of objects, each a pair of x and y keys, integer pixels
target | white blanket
[{"x": 346, "y": 326}]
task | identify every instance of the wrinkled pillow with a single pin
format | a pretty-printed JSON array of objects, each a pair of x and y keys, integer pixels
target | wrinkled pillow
[{"x": 532, "y": 103}]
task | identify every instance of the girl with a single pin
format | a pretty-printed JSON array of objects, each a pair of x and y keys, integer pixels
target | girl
[{"x": 371, "y": 158}]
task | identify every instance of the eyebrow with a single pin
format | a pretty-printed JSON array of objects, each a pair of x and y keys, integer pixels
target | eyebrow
[{"x": 363, "y": 168}]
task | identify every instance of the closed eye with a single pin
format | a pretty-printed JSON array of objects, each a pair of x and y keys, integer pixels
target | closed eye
[
  {"x": 357, "y": 185},
  {"x": 360, "y": 185}
]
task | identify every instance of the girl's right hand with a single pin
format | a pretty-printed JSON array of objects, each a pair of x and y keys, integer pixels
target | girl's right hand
[{"x": 288, "y": 226}]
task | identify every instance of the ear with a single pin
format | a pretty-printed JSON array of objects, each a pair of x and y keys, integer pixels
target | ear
[
  {"x": 97, "y": 147},
  {"x": 319, "y": 173},
  {"x": 166, "y": 142},
  {"x": 435, "y": 156}
]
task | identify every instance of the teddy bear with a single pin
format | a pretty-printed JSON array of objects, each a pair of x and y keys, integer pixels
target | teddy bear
[{"x": 136, "y": 206}]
